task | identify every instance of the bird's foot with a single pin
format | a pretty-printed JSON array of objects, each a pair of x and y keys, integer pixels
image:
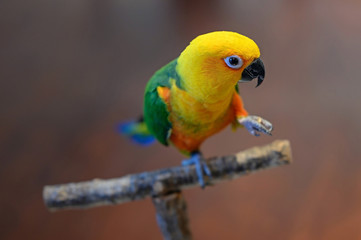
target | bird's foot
[
  {"x": 256, "y": 125},
  {"x": 201, "y": 167}
]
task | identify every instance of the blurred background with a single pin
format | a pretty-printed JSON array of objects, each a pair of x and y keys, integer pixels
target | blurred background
[{"x": 71, "y": 70}]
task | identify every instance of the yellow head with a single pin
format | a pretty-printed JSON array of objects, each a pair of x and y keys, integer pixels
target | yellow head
[{"x": 213, "y": 63}]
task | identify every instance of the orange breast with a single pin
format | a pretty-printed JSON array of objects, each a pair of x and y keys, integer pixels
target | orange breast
[
  {"x": 188, "y": 137},
  {"x": 194, "y": 121}
]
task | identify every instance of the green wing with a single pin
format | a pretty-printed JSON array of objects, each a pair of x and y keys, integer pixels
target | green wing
[{"x": 155, "y": 110}]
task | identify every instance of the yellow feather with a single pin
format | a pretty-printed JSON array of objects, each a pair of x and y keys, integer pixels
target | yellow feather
[
  {"x": 203, "y": 106},
  {"x": 203, "y": 71}
]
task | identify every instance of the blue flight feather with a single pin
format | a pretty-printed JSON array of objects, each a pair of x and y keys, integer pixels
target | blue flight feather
[{"x": 137, "y": 132}]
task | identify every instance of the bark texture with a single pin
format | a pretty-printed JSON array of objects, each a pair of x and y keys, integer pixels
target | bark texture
[{"x": 165, "y": 181}]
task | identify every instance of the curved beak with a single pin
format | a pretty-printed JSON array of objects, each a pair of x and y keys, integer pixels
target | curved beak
[{"x": 254, "y": 70}]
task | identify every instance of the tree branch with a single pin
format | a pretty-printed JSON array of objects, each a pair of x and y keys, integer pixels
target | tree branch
[
  {"x": 165, "y": 181},
  {"x": 172, "y": 217}
]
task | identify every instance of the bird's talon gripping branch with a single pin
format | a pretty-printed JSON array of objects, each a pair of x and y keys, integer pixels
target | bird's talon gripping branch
[
  {"x": 200, "y": 165},
  {"x": 256, "y": 125}
]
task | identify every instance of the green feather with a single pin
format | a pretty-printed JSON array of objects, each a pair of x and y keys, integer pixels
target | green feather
[{"x": 155, "y": 110}]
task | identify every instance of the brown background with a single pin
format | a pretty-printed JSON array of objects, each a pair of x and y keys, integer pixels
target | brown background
[{"x": 70, "y": 70}]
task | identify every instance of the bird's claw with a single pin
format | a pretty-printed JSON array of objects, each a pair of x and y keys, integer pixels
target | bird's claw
[
  {"x": 201, "y": 167},
  {"x": 256, "y": 125}
]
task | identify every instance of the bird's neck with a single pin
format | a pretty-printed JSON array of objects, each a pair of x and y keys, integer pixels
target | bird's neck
[{"x": 209, "y": 94}]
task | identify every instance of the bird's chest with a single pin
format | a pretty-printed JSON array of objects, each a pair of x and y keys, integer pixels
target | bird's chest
[{"x": 196, "y": 117}]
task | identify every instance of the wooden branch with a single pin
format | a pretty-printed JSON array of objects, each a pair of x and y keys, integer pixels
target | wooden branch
[
  {"x": 166, "y": 181},
  {"x": 172, "y": 218}
]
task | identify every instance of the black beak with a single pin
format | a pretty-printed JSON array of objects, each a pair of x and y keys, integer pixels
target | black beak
[{"x": 254, "y": 70}]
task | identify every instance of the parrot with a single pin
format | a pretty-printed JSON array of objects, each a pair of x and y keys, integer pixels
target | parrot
[{"x": 197, "y": 95}]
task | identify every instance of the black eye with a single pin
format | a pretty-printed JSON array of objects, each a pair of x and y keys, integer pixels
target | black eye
[{"x": 234, "y": 61}]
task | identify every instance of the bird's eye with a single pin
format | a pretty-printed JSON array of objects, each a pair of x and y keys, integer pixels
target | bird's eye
[{"x": 234, "y": 61}]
